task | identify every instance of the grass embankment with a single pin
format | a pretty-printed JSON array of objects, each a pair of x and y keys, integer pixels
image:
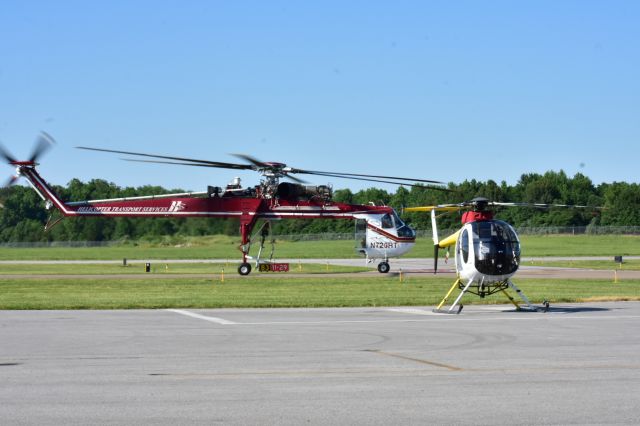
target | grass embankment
[
  {"x": 274, "y": 291},
  {"x": 223, "y": 247}
]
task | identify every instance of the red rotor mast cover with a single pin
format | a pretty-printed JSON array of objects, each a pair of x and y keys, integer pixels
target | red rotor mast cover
[{"x": 472, "y": 216}]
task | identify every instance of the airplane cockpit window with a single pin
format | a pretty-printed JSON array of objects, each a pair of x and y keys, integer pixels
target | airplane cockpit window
[{"x": 496, "y": 247}]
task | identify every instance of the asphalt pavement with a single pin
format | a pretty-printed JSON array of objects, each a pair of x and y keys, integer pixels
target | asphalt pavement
[{"x": 576, "y": 364}]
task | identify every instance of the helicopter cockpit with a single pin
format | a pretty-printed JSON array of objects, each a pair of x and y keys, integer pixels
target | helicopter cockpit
[
  {"x": 391, "y": 221},
  {"x": 496, "y": 248}
]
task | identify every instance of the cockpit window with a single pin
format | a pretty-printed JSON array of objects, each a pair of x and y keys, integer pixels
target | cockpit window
[
  {"x": 397, "y": 220},
  {"x": 464, "y": 245},
  {"x": 387, "y": 221},
  {"x": 494, "y": 230},
  {"x": 393, "y": 221},
  {"x": 496, "y": 247},
  {"x": 405, "y": 231}
]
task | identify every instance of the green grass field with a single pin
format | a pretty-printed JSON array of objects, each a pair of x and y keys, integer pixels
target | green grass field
[
  {"x": 273, "y": 290},
  {"x": 580, "y": 245},
  {"x": 225, "y": 248},
  {"x": 630, "y": 265},
  {"x": 161, "y": 268},
  {"x": 265, "y": 292}
]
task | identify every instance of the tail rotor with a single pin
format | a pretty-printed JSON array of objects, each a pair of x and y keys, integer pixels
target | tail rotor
[
  {"x": 11, "y": 181},
  {"x": 6, "y": 155},
  {"x": 10, "y": 159},
  {"x": 43, "y": 143}
]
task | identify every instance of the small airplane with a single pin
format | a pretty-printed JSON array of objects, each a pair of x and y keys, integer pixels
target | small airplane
[
  {"x": 487, "y": 250},
  {"x": 380, "y": 231}
]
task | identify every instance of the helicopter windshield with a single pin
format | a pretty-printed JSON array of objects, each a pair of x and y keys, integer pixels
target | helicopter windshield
[
  {"x": 386, "y": 221},
  {"x": 496, "y": 247},
  {"x": 403, "y": 230}
]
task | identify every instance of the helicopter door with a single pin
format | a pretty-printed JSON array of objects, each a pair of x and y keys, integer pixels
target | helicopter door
[
  {"x": 462, "y": 248},
  {"x": 361, "y": 235},
  {"x": 464, "y": 245}
]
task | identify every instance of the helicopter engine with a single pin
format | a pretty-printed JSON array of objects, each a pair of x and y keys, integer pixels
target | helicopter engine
[{"x": 290, "y": 191}]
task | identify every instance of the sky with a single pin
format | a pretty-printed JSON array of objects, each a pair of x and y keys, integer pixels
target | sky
[{"x": 444, "y": 90}]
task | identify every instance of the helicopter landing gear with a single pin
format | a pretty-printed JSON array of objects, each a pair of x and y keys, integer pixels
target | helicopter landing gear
[
  {"x": 483, "y": 289},
  {"x": 264, "y": 231},
  {"x": 244, "y": 269},
  {"x": 383, "y": 267}
]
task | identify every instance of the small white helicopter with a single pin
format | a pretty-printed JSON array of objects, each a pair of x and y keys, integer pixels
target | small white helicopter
[
  {"x": 382, "y": 236},
  {"x": 487, "y": 251}
]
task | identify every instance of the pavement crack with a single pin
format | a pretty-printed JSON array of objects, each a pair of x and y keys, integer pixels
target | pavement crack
[{"x": 418, "y": 360}]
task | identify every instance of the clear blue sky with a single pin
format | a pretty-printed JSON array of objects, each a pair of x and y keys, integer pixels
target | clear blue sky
[{"x": 440, "y": 90}]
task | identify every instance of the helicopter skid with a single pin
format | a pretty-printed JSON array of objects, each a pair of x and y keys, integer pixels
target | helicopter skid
[
  {"x": 482, "y": 290},
  {"x": 446, "y": 311}
]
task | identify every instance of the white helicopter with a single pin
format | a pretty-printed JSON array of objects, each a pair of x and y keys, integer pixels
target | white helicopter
[
  {"x": 487, "y": 251},
  {"x": 383, "y": 236}
]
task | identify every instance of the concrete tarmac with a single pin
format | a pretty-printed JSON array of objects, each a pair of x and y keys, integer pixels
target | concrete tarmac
[{"x": 577, "y": 364}]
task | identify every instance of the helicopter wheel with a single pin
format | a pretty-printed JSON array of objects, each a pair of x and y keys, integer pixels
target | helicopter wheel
[
  {"x": 383, "y": 267},
  {"x": 244, "y": 269}
]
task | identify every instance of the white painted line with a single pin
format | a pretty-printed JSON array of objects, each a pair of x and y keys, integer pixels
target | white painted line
[
  {"x": 413, "y": 311},
  {"x": 202, "y": 317}
]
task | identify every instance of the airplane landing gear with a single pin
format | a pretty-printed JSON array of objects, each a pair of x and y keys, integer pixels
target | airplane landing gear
[{"x": 383, "y": 267}]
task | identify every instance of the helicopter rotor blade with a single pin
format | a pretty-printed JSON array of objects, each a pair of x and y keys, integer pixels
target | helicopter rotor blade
[
  {"x": 470, "y": 204},
  {"x": 217, "y": 164},
  {"x": 11, "y": 181},
  {"x": 6, "y": 155},
  {"x": 178, "y": 163},
  {"x": 438, "y": 188},
  {"x": 44, "y": 142},
  {"x": 355, "y": 176},
  {"x": 350, "y": 175},
  {"x": 438, "y": 208},
  {"x": 251, "y": 160},
  {"x": 541, "y": 205},
  {"x": 278, "y": 168}
]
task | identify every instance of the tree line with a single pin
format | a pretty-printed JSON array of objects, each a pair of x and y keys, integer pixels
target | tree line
[{"x": 22, "y": 212}]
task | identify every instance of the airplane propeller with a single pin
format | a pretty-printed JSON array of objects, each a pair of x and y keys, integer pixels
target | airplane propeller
[{"x": 276, "y": 169}]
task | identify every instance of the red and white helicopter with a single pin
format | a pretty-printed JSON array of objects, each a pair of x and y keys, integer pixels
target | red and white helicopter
[{"x": 384, "y": 235}]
